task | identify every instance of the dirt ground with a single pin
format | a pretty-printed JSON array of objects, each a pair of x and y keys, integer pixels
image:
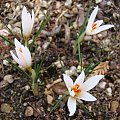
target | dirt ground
[{"x": 17, "y": 101}]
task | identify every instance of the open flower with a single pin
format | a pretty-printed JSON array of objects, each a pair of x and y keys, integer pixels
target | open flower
[
  {"x": 23, "y": 57},
  {"x": 94, "y": 27},
  {"x": 79, "y": 90},
  {"x": 27, "y": 22}
]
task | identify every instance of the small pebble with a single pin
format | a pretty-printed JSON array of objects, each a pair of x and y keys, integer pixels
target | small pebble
[
  {"x": 111, "y": 85},
  {"x": 44, "y": 4},
  {"x": 118, "y": 81},
  {"x": 75, "y": 10},
  {"x": 24, "y": 104},
  {"x": 29, "y": 111},
  {"x": 27, "y": 87},
  {"x": 49, "y": 99},
  {"x": 45, "y": 45},
  {"x": 86, "y": 38},
  {"x": 114, "y": 106},
  {"x": 30, "y": 41},
  {"x": 102, "y": 34},
  {"x": 73, "y": 70},
  {"x": 59, "y": 64},
  {"x": 6, "y": 108},
  {"x": 98, "y": 1},
  {"x": 109, "y": 3},
  {"x": 18, "y": 8},
  {"x": 102, "y": 85},
  {"x": 8, "y": 78},
  {"x": 78, "y": 69},
  {"x": 68, "y": 72},
  {"x": 5, "y": 62},
  {"x": 109, "y": 91},
  {"x": 68, "y": 3},
  {"x": 58, "y": 4}
]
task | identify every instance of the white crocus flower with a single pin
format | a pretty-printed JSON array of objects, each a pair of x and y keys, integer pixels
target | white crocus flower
[
  {"x": 23, "y": 57},
  {"x": 27, "y": 22},
  {"x": 79, "y": 90},
  {"x": 95, "y": 27}
]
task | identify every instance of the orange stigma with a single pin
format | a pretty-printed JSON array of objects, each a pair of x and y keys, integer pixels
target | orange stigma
[
  {"x": 76, "y": 88},
  {"x": 20, "y": 50},
  {"x": 94, "y": 25}
]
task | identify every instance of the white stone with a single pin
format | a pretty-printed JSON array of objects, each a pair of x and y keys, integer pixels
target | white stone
[
  {"x": 68, "y": 72},
  {"x": 45, "y": 45},
  {"x": 8, "y": 78},
  {"x": 73, "y": 70},
  {"x": 109, "y": 91},
  {"x": 27, "y": 87},
  {"x": 102, "y": 85},
  {"x": 30, "y": 41},
  {"x": 98, "y": 1},
  {"x": 59, "y": 64},
  {"x": 68, "y": 2},
  {"x": 5, "y": 62}
]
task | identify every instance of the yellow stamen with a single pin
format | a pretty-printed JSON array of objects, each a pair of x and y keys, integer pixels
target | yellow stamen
[{"x": 76, "y": 88}]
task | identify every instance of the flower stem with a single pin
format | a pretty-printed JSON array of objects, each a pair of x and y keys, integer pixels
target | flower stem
[
  {"x": 34, "y": 83},
  {"x": 26, "y": 41}
]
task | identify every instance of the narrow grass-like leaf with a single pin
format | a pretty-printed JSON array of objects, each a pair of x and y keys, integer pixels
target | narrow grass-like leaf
[
  {"x": 82, "y": 30},
  {"x": 56, "y": 104},
  {"x": 92, "y": 65},
  {"x": 42, "y": 25},
  {"x": 35, "y": 62},
  {"x": 6, "y": 40},
  {"x": 18, "y": 68},
  {"x": 85, "y": 109}
]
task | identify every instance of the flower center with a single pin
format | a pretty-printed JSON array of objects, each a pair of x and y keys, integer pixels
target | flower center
[
  {"x": 94, "y": 25},
  {"x": 76, "y": 89},
  {"x": 20, "y": 50}
]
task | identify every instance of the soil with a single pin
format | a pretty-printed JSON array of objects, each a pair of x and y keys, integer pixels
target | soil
[{"x": 103, "y": 48}]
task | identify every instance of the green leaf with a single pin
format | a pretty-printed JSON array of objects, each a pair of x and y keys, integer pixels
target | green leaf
[
  {"x": 82, "y": 30},
  {"x": 43, "y": 23},
  {"x": 56, "y": 105},
  {"x": 5, "y": 39}
]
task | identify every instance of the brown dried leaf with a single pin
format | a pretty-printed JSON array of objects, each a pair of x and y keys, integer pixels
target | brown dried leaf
[
  {"x": 114, "y": 105},
  {"x": 54, "y": 82},
  {"x": 3, "y": 84},
  {"x": 101, "y": 69},
  {"x": 67, "y": 34},
  {"x": 81, "y": 17},
  {"x": 59, "y": 88}
]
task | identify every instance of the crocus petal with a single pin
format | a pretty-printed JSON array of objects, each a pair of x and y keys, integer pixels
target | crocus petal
[
  {"x": 80, "y": 78},
  {"x": 27, "y": 25},
  {"x": 33, "y": 17},
  {"x": 24, "y": 19},
  {"x": 68, "y": 81},
  {"x": 27, "y": 22},
  {"x": 71, "y": 92},
  {"x": 85, "y": 96},
  {"x": 71, "y": 105},
  {"x": 27, "y": 54},
  {"x": 15, "y": 58},
  {"x": 101, "y": 28},
  {"x": 22, "y": 59},
  {"x": 91, "y": 20},
  {"x": 91, "y": 83},
  {"x": 17, "y": 43},
  {"x": 98, "y": 23}
]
